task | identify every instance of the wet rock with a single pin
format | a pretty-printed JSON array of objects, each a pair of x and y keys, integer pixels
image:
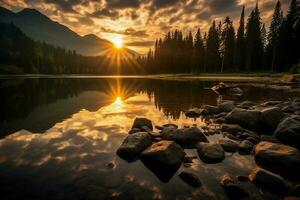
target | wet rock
[
  {"x": 221, "y": 88},
  {"x": 246, "y": 104},
  {"x": 291, "y": 108},
  {"x": 246, "y": 147},
  {"x": 269, "y": 138},
  {"x": 193, "y": 113},
  {"x": 187, "y": 137},
  {"x": 232, "y": 128},
  {"x": 210, "y": 153},
  {"x": 159, "y": 127},
  {"x": 278, "y": 158},
  {"x": 227, "y": 106},
  {"x": 271, "y": 103},
  {"x": 232, "y": 188},
  {"x": 163, "y": 159},
  {"x": 243, "y": 178},
  {"x": 270, "y": 117},
  {"x": 232, "y": 137},
  {"x": 270, "y": 181},
  {"x": 220, "y": 120},
  {"x": 246, "y": 118},
  {"x": 170, "y": 125},
  {"x": 228, "y": 145},
  {"x": 295, "y": 191},
  {"x": 190, "y": 178},
  {"x": 253, "y": 140},
  {"x": 133, "y": 145},
  {"x": 134, "y": 130},
  {"x": 222, "y": 114},
  {"x": 210, "y": 110},
  {"x": 140, "y": 122},
  {"x": 189, "y": 159},
  {"x": 288, "y": 131},
  {"x": 111, "y": 165}
]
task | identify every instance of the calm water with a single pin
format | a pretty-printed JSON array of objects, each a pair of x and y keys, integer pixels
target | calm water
[{"x": 58, "y": 136}]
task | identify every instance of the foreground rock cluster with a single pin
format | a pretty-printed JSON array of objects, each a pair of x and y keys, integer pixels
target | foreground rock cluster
[{"x": 269, "y": 131}]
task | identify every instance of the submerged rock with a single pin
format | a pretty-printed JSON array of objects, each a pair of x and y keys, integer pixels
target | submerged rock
[
  {"x": 227, "y": 106},
  {"x": 232, "y": 128},
  {"x": 140, "y": 122},
  {"x": 187, "y": 137},
  {"x": 270, "y": 181},
  {"x": 228, "y": 145},
  {"x": 232, "y": 188},
  {"x": 210, "y": 110},
  {"x": 190, "y": 179},
  {"x": 270, "y": 117},
  {"x": 210, "y": 153},
  {"x": 246, "y": 118},
  {"x": 288, "y": 131},
  {"x": 246, "y": 147},
  {"x": 193, "y": 113},
  {"x": 278, "y": 158},
  {"x": 170, "y": 125},
  {"x": 133, "y": 145},
  {"x": 163, "y": 159}
]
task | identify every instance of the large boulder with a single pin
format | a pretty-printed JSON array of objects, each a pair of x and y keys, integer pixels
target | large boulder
[
  {"x": 210, "y": 110},
  {"x": 278, "y": 158},
  {"x": 210, "y": 152},
  {"x": 270, "y": 117},
  {"x": 227, "y": 106},
  {"x": 268, "y": 180},
  {"x": 288, "y": 130},
  {"x": 133, "y": 145},
  {"x": 186, "y": 137},
  {"x": 141, "y": 122},
  {"x": 228, "y": 145},
  {"x": 246, "y": 118},
  {"x": 232, "y": 128},
  {"x": 246, "y": 147},
  {"x": 163, "y": 159},
  {"x": 232, "y": 188}
]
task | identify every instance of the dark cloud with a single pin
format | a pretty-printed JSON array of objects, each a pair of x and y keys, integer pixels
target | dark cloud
[
  {"x": 121, "y": 4},
  {"x": 105, "y": 13},
  {"x": 128, "y": 32},
  {"x": 163, "y": 3},
  {"x": 65, "y": 5},
  {"x": 220, "y": 6},
  {"x": 140, "y": 43}
]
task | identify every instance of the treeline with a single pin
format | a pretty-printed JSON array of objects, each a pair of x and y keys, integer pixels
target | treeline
[
  {"x": 20, "y": 54},
  {"x": 249, "y": 49}
]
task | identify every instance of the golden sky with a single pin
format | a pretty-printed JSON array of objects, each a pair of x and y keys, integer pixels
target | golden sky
[{"x": 139, "y": 22}]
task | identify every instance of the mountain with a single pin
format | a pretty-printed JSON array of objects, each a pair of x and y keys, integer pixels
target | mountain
[{"x": 40, "y": 28}]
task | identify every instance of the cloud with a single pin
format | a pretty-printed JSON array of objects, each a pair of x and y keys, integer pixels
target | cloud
[
  {"x": 128, "y": 32},
  {"x": 105, "y": 13},
  {"x": 121, "y": 4},
  {"x": 140, "y": 43},
  {"x": 65, "y": 5}
]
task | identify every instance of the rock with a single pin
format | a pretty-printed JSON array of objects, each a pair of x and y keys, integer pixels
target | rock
[
  {"x": 111, "y": 165},
  {"x": 140, "y": 122},
  {"x": 288, "y": 131},
  {"x": 170, "y": 125},
  {"x": 163, "y": 159},
  {"x": 269, "y": 138},
  {"x": 246, "y": 104},
  {"x": 243, "y": 178},
  {"x": 188, "y": 159},
  {"x": 210, "y": 110},
  {"x": 253, "y": 140},
  {"x": 190, "y": 179},
  {"x": 220, "y": 120},
  {"x": 278, "y": 158},
  {"x": 270, "y": 181},
  {"x": 295, "y": 191},
  {"x": 232, "y": 128},
  {"x": 246, "y": 118},
  {"x": 133, "y": 145},
  {"x": 187, "y": 137},
  {"x": 222, "y": 114},
  {"x": 226, "y": 106},
  {"x": 193, "y": 113},
  {"x": 228, "y": 145},
  {"x": 270, "y": 117},
  {"x": 232, "y": 137},
  {"x": 232, "y": 188},
  {"x": 271, "y": 103},
  {"x": 134, "y": 130},
  {"x": 210, "y": 153},
  {"x": 246, "y": 147},
  {"x": 159, "y": 127}
]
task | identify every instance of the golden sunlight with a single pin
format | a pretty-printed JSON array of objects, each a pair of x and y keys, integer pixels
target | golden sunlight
[
  {"x": 118, "y": 101},
  {"x": 118, "y": 42}
]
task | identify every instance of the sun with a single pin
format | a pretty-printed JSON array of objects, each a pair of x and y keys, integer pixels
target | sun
[{"x": 118, "y": 44}]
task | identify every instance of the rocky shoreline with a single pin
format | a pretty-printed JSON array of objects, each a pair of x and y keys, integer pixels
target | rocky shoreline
[{"x": 269, "y": 131}]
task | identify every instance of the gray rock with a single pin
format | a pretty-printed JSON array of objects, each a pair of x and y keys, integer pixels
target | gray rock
[
  {"x": 269, "y": 138},
  {"x": 246, "y": 147},
  {"x": 210, "y": 110},
  {"x": 232, "y": 188},
  {"x": 253, "y": 140},
  {"x": 134, "y": 130},
  {"x": 227, "y": 106},
  {"x": 186, "y": 137},
  {"x": 210, "y": 153},
  {"x": 278, "y": 158},
  {"x": 193, "y": 113},
  {"x": 133, "y": 145},
  {"x": 190, "y": 179},
  {"x": 246, "y": 104},
  {"x": 159, "y": 127},
  {"x": 270, "y": 181},
  {"x": 288, "y": 131},
  {"x": 246, "y": 118},
  {"x": 170, "y": 125},
  {"x": 140, "y": 122},
  {"x": 228, "y": 145},
  {"x": 271, "y": 103},
  {"x": 270, "y": 117},
  {"x": 232, "y": 128}
]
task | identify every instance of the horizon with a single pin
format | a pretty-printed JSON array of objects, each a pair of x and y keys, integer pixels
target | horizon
[{"x": 141, "y": 37}]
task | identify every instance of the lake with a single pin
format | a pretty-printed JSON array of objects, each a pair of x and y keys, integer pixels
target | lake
[{"x": 59, "y": 137}]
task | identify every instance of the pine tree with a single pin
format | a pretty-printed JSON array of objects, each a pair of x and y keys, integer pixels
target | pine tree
[
  {"x": 240, "y": 45},
  {"x": 199, "y": 52},
  {"x": 273, "y": 38},
  {"x": 212, "y": 49},
  {"x": 254, "y": 52},
  {"x": 228, "y": 36}
]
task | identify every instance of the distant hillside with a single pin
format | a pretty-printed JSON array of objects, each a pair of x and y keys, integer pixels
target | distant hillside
[{"x": 40, "y": 28}]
